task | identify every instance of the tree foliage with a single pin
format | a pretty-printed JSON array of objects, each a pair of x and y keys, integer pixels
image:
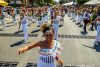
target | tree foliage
[
  {"x": 36, "y": 2},
  {"x": 81, "y": 1},
  {"x": 62, "y": 1},
  {"x": 41, "y": 2}
]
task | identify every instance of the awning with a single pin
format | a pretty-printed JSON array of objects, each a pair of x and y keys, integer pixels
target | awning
[
  {"x": 3, "y": 3},
  {"x": 98, "y": 3},
  {"x": 90, "y": 2},
  {"x": 70, "y": 3},
  {"x": 93, "y": 2}
]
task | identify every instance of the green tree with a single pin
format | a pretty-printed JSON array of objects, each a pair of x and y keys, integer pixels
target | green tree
[
  {"x": 41, "y": 2},
  {"x": 81, "y": 1},
  {"x": 61, "y": 1}
]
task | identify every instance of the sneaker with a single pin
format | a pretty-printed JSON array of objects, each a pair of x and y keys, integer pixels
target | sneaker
[
  {"x": 25, "y": 42},
  {"x": 80, "y": 25},
  {"x": 38, "y": 26},
  {"x": 92, "y": 29},
  {"x": 77, "y": 23}
]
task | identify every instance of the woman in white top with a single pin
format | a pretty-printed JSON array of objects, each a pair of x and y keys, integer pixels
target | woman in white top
[
  {"x": 24, "y": 25},
  {"x": 98, "y": 27},
  {"x": 49, "y": 49},
  {"x": 56, "y": 23}
]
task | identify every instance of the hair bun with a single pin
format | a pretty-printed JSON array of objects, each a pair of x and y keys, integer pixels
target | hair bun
[{"x": 43, "y": 27}]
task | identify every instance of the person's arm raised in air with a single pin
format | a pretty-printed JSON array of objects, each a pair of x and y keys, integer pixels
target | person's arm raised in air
[{"x": 24, "y": 49}]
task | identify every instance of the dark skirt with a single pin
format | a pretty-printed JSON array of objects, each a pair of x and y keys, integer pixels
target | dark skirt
[
  {"x": 52, "y": 17},
  {"x": 86, "y": 21}
]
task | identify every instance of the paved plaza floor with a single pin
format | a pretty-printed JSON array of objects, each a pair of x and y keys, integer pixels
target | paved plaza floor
[{"x": 78, "y": 49}]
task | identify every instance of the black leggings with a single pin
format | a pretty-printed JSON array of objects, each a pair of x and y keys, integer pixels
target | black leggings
[{"x": 85, "y": 23}]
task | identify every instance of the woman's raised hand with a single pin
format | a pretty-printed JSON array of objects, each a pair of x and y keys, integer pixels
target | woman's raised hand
[
  {"x": 60, "y": 62},
  {"x": 21, "y": 50}
]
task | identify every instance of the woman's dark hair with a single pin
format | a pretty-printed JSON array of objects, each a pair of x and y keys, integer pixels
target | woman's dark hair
[{"x": 45, "y": 27}]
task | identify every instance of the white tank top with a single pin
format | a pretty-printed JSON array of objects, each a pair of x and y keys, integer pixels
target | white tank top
[{"x": 48, "y": 55}]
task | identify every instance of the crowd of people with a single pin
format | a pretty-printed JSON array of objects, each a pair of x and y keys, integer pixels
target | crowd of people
[
  {"x": 86, "y": 15},
  {"x": 24, "y": 16},
  {"x": 50, "y": 47}
]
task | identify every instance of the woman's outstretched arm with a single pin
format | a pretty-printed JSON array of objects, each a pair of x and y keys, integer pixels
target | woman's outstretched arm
[{"x": 24, "y": 49}]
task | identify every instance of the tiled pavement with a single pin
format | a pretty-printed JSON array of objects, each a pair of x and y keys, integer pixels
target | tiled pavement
[
  {"x": 78, "y": 48},
  {"x": 14, "y": 64},
  {"x": 36, "y": 35}
]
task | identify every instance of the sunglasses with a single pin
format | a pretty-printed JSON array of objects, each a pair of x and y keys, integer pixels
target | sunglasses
[{"x": 48, "y": 35}]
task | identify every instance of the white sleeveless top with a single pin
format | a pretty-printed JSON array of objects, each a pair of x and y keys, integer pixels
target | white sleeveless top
[
  {"x": 56, "y": 21},
  {"x": 48, "y": 55},
  {"x": 24, "y": 20}
]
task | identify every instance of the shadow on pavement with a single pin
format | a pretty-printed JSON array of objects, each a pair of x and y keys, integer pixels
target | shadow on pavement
[
  {"x": 35, "y": 31},
  {"x": 8, "y": 64},
  {"x": 84, "y": 33},
  {"x": 1, "y": 29},
  {"x": 17, "y": 44},
  {"x": 80, "y": 26},
  {"x": 61, "y": 25},
  {"x": 10, "y": 25},
  {"x": 87, "y": 46},
  {"x": 17, "y": 32},
  {"x": 31, "y": 65},
  {"x": 96, "y": 47},
  {"x": 35, "y": 65},
  {"x": 9, "y": 22}
]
